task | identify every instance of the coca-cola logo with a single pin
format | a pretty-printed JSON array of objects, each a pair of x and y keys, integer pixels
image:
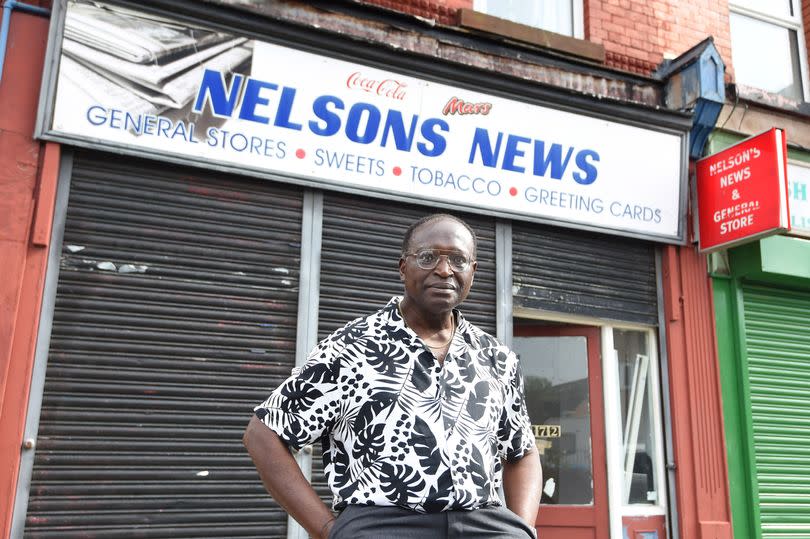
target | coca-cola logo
[
  {"x": 459, "y": 106},
  {"x": 390, "y": 88}
]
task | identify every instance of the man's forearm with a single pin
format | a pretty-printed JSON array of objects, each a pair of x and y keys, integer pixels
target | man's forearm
[
  {"x": 522, "y": 484},
  {"x": 284, "y": 481}
]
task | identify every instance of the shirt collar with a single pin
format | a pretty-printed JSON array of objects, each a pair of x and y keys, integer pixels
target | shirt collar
[{"x": 396, "y": 324}]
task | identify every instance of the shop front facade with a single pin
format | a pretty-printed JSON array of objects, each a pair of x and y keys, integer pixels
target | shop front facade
[
  {"x": 762, "y": 302},
  {"x": 199, "y": 248}
]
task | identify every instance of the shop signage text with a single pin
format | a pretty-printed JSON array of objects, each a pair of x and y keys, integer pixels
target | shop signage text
[
  {"x": 742, "y": 191},
  {"x": 267, "y": 109},
  {"x": 799, "y": 198}
]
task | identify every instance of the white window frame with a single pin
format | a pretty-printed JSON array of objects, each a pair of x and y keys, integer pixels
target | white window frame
[
  {"x": 576, "y": 15},
  {"x": 791, "y": 23},
  {"x": 613, "y": 431}
]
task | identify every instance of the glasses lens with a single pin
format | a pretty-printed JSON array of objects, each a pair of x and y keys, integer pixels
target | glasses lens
[
  {"x": 427, "y": 259},
  {"x": 458, "y": 262}
]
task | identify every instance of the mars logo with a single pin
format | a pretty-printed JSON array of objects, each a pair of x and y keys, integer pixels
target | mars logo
[
  {"x": 459, "y": 106},
  {"x": 390, "y": 88}
]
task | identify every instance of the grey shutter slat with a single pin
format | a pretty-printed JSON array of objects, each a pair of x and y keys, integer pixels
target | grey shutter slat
[
  {"x": 777, "y": 337},
  {"x": 362, "y": 241},
  {"x": 579, "y": 273},
  {"x": 175, "y": 314}
]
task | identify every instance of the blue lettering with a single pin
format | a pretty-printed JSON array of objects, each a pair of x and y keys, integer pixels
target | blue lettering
[
  {"x": 285, "y": 103},
  {"x": 96, "y": 115},
  {"x": 436, "y": 140},
  {"x": 589, "y": 169},
  {"x": 512, "y": 151},
  {"x": 252, "y": 99},
  {"x": 149, "y": 124},
  {"x": 212, "y": 90},
  {"x": 115, "y": 118},
  {"x": 132, "y": 123},
  {"x": 394, "y": 123},
  {"x": 482, "y": 143},
  {"x": 554, "y": 159},
  {"x": 164, "y": 124},
  {"x": 330, "y": 122},
  {"x": 356, "y": 114}
]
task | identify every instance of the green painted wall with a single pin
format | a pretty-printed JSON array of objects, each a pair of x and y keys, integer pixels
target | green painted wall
[{"x": 735, "y": 405}]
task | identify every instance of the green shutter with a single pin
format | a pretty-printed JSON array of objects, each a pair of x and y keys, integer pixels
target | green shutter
[{"x": 777, "y": 338}]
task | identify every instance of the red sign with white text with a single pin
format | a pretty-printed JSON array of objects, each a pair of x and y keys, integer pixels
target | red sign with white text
[{"x": 742, "y": 191}]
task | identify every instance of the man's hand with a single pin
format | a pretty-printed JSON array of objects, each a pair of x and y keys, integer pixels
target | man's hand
[
  {"x": 284, "y": 481},
  {"x": 522, "y": 484}
]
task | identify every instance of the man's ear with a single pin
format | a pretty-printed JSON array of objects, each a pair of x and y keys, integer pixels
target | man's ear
[{"x": 401, "y": 269}]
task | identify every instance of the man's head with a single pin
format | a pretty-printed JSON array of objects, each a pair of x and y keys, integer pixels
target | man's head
[{"x": 438, "y": 263}]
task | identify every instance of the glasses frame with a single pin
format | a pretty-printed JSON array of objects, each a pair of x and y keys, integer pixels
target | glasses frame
[{"x": 441, "y": 253}]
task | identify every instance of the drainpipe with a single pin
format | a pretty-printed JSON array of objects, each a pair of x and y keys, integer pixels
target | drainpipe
[{"x": 8, "y": 6}]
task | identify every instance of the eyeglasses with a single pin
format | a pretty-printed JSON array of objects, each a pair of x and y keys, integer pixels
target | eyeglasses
[{"x": 427, "y": 259}]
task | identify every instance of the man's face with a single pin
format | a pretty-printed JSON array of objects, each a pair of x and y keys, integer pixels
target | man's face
[{"x": 442, "y": 288}]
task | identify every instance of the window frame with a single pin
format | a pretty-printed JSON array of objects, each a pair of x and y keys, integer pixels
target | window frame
[
  {"x": 614, "y": 427},
  {"x": 793, "y": 23},
  {"x": 577, "y": 17}
]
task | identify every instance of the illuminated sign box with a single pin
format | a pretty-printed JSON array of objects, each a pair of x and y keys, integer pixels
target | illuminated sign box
[
  {"x": 742, "y": 192},
  {"x": 134, "y": 83}
]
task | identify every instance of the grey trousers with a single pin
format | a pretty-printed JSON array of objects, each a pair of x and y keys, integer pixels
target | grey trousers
[{"x": 381, "y": 522}]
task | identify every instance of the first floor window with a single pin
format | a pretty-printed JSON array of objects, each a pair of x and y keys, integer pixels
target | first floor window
[
  {"x": 767, "y": 46},
  {"x": 559, "y": 16}
]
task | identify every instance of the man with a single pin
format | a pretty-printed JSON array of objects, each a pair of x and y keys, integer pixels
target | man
[{"x": 420, "y": 412}]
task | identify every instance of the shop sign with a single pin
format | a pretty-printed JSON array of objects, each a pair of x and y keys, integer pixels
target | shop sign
[
  {"x": 799, "y": 198},
  {"x": 742, "y": 192},
  {"x": 146, "y": 85}
]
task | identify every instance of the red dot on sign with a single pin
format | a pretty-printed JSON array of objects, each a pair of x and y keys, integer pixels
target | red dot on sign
[
  {"x": 300, "y": 154},
  {"x": 397, "y": 171},
  {"x": 513, "y": 191}
]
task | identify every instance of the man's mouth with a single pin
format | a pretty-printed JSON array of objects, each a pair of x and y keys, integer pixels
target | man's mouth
[{"x": 443, "y": 286}]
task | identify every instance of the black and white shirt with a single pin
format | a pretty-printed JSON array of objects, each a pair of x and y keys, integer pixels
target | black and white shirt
[{"x": 397, "y": 427}]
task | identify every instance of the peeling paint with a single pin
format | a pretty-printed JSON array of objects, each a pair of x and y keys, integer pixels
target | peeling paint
[
  {"x": 108, "y": 266},
  {"x": 75, "y": 248},
  {"x": 132, "y": 268},
  {"x": 203, "y": 473},
  {"x": 286, "y": 282},
  {"x": 283, "y": 271}
]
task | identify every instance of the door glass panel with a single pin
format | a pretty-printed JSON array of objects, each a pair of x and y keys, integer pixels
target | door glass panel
[
  {"x": 635, "y": 383},
  {"x": 555, "y": 371}
]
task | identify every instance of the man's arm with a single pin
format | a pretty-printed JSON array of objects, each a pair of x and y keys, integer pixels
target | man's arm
[
  {"x": 522, "y": 484},
  {"x": 284, "y": 481}
]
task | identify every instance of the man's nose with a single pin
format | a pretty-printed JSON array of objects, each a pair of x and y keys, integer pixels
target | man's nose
[{"x": 443, "y": 267}]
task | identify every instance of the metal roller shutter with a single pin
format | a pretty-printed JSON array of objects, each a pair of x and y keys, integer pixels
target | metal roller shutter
[
  {"x": 362, "y": 240},
  {"x": 175, "y": 314},
  {"x": 585, "y": 274},
  {"x": 777, "y": 338}
]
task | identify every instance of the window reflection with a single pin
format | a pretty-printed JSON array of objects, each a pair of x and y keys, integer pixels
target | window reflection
[{"x": 555, "y": 371}]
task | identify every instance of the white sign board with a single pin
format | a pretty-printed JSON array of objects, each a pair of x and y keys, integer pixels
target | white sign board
[
  {"x": 130, "y": 80},
  {"x": 799, "y": 197}
]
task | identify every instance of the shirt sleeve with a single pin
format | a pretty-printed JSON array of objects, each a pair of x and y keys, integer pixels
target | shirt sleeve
[
  {"x": 304, "y": 407},
  {"x": 515, "y": 436}
]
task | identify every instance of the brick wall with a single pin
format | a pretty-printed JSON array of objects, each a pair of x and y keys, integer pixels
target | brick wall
[{"x": 637, "y": 34}]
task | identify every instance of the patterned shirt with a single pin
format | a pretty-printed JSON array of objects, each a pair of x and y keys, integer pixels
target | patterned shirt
[{"x": 397, "y": 427}]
